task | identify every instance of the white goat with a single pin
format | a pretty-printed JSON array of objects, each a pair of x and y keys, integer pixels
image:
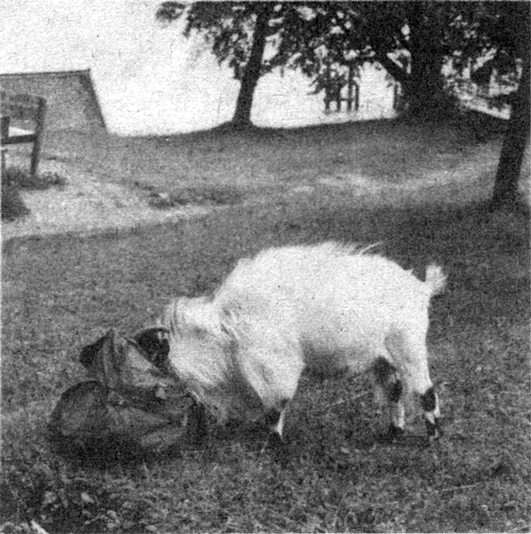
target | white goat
[{"x": 326, "y": 308}]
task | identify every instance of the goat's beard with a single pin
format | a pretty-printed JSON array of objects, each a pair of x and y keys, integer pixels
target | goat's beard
[{"x": 234, "y": 364}]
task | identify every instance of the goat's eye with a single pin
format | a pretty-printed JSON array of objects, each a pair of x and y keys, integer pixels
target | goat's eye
[{"x": 199, "y": 332}]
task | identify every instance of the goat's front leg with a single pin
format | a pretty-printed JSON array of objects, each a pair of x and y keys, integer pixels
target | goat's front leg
[
  {"x": 197, "y": 424},
  {"x": 274, "y": 420}
]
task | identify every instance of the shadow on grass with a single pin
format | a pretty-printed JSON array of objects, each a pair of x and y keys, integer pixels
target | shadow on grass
[{"x": 16, "y": 179}]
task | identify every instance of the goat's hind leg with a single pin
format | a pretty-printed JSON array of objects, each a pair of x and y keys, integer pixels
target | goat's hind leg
[
  {"x": 389, "y": 383},
  {"x": 430, "y": 405}
]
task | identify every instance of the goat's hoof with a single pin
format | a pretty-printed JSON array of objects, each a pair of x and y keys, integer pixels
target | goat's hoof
[
  {"x": 434, "y": 432},
  {"x": 196, "y": 425},
  {"x": 393, "y": 434},
  {"x": 278, "y": 448}
]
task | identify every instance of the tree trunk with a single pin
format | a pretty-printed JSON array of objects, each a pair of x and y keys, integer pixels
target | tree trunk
[
  {"x": 505, "y": 194},
  {"x": 423, "y": 85},
  {"x": 251, "y": 74},
  {"x": 424, "y": 90}
]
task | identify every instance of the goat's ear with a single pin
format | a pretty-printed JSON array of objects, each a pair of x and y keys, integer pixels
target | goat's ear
[
  {"x": 230, "y": 340},
  {"x": 154, "y": 342},
  {"x": 89, "y": 352}
]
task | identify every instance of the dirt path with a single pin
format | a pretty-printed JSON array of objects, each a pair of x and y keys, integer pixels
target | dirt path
[{"x": 87, "y": 205}]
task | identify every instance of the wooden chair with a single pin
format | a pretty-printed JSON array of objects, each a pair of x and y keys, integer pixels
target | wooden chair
[{"x": 22, "y": 121}]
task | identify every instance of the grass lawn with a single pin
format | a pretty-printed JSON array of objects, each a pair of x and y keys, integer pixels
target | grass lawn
[
  {"x": 61, "y": 293},
  {"x": 272, "y": 161}
]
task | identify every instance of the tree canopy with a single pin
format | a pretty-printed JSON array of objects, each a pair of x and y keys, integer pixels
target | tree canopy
[{"x": 411, "y": 40}]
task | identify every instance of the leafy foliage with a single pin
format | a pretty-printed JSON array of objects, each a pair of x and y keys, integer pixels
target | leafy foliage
[
  {"x": 25, "y": 180},
  {"x": 411, "y": 40},
  {"x": 14, "y": 180},
  {"x": 13, "y": 206},
  {"x": 228, "y": 27}
]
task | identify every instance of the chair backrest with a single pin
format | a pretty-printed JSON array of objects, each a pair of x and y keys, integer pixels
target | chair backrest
[
  {"x": 22, "y": 121},
  {"x": 23, "y": 109}
]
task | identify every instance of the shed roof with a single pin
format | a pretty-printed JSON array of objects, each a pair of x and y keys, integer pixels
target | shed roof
[{"x": 72, "y": 102}]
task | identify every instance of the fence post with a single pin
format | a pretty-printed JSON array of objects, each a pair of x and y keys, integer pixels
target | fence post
[
  {"x": 327, "y": 89},
  {"x": 349, "y": 85},
  {"x": 4, "y": 134}
]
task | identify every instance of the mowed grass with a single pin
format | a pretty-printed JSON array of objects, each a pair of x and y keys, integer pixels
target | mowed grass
[
  {"x": 271, "y": 161},
  {"x": 61, "y": 293}
]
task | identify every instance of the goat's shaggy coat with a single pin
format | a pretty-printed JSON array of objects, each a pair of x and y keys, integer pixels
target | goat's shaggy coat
[{"x": 327, "y": 308}]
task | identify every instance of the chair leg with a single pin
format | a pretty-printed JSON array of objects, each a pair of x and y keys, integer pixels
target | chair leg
[
  {"x": 4, "y": 134},
  {"x": 36, "y": 152},
  {"x": 2, "y": 161}
]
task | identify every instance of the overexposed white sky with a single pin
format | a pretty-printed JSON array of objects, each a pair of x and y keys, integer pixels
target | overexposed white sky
[
  {"x": 67, "y": 34},
  {"x": 148, "y": 77}
]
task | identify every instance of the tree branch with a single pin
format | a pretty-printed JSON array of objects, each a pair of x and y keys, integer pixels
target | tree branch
[{"x": 393, "y": 68}]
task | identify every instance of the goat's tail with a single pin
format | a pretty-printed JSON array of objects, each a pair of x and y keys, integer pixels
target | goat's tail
[{"x": 435, "y": 279}]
